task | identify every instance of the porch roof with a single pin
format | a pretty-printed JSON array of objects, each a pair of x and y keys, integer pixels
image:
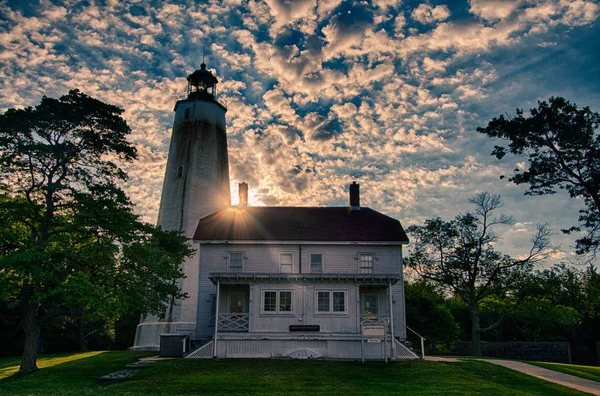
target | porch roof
[{"x": 247, "y": 277}]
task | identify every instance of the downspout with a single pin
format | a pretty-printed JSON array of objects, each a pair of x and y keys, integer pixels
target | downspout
[
  {"x": 392, "y": 319},
  {"x": 216, "y": 319},
  {"x": 300, "y": 258}
]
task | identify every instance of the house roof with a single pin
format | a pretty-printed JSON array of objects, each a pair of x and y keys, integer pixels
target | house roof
[{"x": 319, "y": 224}]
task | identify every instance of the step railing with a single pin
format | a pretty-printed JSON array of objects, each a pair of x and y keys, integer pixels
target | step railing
[
  {"x": 402, "y": 352},
  {"x": 204, "y": 352},
  {"x": 396, "y": 320}
]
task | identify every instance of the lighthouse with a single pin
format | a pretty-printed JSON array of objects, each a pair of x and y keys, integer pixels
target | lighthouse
[{"x": 196, "y": 184}]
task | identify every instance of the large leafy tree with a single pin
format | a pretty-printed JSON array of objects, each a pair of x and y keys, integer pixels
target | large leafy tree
[
  {"x": 562, "y": 147},
  {"x": 71, "y": 241},
  {"x": 460, "y": 255},
  {"x": 428, "y": 313}
]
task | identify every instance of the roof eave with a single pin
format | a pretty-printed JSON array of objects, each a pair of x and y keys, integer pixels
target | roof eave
[{"x": 294, "y": 242}]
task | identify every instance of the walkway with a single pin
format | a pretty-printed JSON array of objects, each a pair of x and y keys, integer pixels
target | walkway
[
  {"x": 570, "y": 381},
  {"x": 442, "y": 359}
]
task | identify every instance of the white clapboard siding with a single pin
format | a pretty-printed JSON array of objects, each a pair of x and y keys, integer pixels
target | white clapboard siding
[{"x": 264, "y": 258}]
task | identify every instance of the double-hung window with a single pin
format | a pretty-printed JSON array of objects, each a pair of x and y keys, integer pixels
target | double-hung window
[
  {"x": 316, "y": 263},
  {"x": 331, "y": 301},
  {"x": 285, "y": 262},
  {"x": 236, "y": 262},
  {"x": 365, "y": 261},
  {"x": 277, "y": 301}
]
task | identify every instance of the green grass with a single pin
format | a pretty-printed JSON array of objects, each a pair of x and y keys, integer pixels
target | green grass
[
  {"x": 63, "y": 373},
  {"x": 75, "y": 375},
  {"x": 587, "y": 372}
]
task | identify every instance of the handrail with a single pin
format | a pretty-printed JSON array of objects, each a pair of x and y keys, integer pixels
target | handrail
[
  {"x": 417, "y": 334},
  {"x": 185, "y": 344}
]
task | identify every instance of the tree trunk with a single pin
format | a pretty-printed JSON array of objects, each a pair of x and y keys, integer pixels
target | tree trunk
[
  {"x": 82, "y": 341},
  {"x": 30, "y": 328},
  {"x": 475, "y": 329}
]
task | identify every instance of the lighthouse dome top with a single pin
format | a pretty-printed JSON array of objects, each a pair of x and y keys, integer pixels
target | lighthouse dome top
[{"x": 202, "y": 84}]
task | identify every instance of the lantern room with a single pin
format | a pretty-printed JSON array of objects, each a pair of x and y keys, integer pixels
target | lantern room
[{"x": 202, "y": 84}]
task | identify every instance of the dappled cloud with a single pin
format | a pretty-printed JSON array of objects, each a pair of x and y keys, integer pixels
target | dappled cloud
[{"x": 319, "y": 93}]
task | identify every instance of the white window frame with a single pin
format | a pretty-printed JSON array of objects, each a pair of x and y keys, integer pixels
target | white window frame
[
  {"x": 331, "y": 302},
  {"x": 360, "y": 266},
  {"x": 277, "y": 311},
  {"x": 310, "y": 254},
  {"x": 229, "y": 261},
  {"x": 281, "y": 254}
]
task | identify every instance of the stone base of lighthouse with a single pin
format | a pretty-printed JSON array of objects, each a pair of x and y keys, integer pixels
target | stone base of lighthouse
[
  {"x": 183, "y": 313},
  {"x": 147, "y": 335}
]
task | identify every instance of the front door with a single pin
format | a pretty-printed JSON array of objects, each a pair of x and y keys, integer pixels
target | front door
[
  {"x": 370, "y": 304},
  {"x": 237, "y": 302}
]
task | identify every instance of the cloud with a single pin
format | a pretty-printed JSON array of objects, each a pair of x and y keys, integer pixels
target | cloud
[
  {"x": 319, "y": 92},
  {"x": 493, "y": 9},
  {"x": 426, "y": 14},
  {"x": 285, "y": 11},
  {"x": 346, "y": 30},
  {"x": 579, "y": 12}
]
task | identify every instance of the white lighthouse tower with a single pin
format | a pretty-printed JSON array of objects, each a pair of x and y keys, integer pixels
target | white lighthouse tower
[{"x": 196, "y": 184}]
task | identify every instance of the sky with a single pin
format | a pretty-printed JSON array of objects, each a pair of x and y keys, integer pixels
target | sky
[{"x": 321, "y": 93}]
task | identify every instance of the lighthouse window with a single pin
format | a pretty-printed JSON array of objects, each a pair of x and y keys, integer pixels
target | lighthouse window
[
  {"x": 180, "y": 171},
  {"x": 187, "y": 113}
]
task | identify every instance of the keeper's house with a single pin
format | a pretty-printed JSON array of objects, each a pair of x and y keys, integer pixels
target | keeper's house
[{"x": 300, "y": 282}]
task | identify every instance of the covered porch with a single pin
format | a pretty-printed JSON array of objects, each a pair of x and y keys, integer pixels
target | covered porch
[{"x": 275, "y": 312}]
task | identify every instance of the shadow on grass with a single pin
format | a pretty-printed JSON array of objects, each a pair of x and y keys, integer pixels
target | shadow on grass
[
  {"x": 65, "y": 373},
  {"x": 10, "y": 366}
]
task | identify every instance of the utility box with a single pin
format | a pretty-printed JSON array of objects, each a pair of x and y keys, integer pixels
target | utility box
[{"x": 174, "y": 345}]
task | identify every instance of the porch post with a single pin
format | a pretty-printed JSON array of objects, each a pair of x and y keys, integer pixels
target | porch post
[
  {"x": 216, "y": 319},
  {"x": 392, "y": 319}
]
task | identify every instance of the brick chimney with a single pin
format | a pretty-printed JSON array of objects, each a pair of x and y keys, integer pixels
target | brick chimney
[
  {"x": 243, "y": 187},
  {"x": 355, "y": 196}
]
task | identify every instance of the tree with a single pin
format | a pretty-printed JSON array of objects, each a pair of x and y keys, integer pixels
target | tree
[
  {"x": 562, "y": 148},
  {"x": 570, "y": 296},
  {"x": 428, "y": 315},
  {"x": 73, "y": 243},
  {"x": 460, "y": 256}
]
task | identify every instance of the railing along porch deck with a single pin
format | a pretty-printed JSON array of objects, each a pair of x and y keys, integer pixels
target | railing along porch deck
[{"x": 234, "y": 322}]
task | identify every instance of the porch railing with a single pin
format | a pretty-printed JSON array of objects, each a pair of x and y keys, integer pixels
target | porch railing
[
  {"x": 234, "y": 322},
  {"x": 374, "y": 319}
]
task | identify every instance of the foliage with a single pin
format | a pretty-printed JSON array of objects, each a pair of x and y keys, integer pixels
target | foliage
[
  {"x": 267, "y": 376},
  {"x": 567, "y": 287},
  {"x": 428, "y": 315},
  {"x": 73, "y": 245},
  {"x": 562, "y": 148},
  {"x": 538, "y": 319},
  {"x": 460, "y": 255}
]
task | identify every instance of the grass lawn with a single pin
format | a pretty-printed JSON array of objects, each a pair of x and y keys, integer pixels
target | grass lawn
[
  {"x": 587, "y": 372},
  {"x": 75, "y": 373},
  {"x": 63, "y": 373}
]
